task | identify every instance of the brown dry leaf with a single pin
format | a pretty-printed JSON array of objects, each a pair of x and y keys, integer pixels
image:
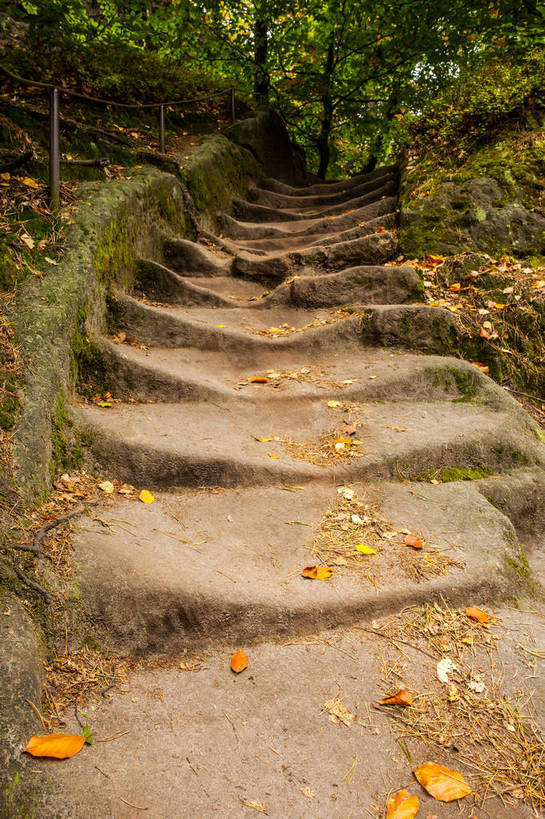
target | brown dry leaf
[
  {"x": 107, "y": 487},
  {"x": 402, "y": 806},
  {"x": 414, "y": 541},
  {"x": 317, "y": 572},
  {"x": 60, "y": 746},
  {"x": 442, "y": 783},
  {"x": 401, "y": 697},
  {"x": 239, "y": 661},
  {"x": 258, "y": 379},
  {"x": 349, "y": 429},
  {"x": 479, "y": 615},
  {"x": 337, "y": 712},
  {"x": 308, "y": 792}
]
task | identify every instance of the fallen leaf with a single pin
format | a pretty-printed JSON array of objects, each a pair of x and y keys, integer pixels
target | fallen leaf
[
  {"x": 28, "y": 240},
  {"x": 442, "y": 783},
  {"x": 363, "y": 549},
  {"x": 455, "y": 287},
  {"x": 258, "y": 379},
  {"x": 445, "y": 667},
  {"x": 334, "y": 404},
  {"x": 31, "y": 183},
  {"x": 50, "y": 261},
  {"x": 239, "y": 661},
  {"x": 435, "y": 259},
  {"x": 317, "y": 572},
  {"x": 272, "y": 455},
  {"x": 107, "y": 486},
  {"x": 308, "y": 792},
  {"x": 337, "y": 712},
  {"x": 341, "y": 440},
  {"x": 221, "y": 326},
  {"x": 479, "y": 615},
  {"x": 402, "y": 806},
  {"x": 348, "y": 429},
  {"x": 145, "y": 496},
  {"x": 476, "y": 685},
  {"x": 5, "y": 176},
  {"x": 60, "y": 746},
  {"x": 347, "y": 493},
  {"x": 412, "y": 540},
  {"x": 103, "y": 404},
  {"x": 401, "y": 697},
  {"x": 484, "y": 333}
]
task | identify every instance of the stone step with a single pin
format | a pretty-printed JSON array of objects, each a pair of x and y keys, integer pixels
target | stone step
[
  {"x": 262, "y": 196},
  {"x": 206, "y": 569},
  {"x": 238, "y": 229},
  {"x": 343, "y": 372},
  {"x": 215, "y": 444},
  {"x": 328, "y": 187}
]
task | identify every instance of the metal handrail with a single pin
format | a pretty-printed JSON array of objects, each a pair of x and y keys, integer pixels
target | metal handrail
[{"x": 54, "y": 99}]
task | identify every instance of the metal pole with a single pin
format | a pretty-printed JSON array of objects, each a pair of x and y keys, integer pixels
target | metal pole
[
  {"x": 54, "y": 173},
  {"x": 162, "y": 128},
  {"x": 233, "y": 109}
]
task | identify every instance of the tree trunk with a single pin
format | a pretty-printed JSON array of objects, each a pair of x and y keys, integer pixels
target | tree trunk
[
  {"x": 391, "y": 110},
  {"x": 261, "y": 76},
  {"x": 322, "y": 142}
]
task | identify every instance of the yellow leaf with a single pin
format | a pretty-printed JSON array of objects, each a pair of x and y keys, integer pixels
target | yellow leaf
[
  {"x": 402, "y": 806},
  {"x": 272, "y": 455},
  {"x": 334, "y": 404},
  {"x": 317, "y": 572},
  {"x": 60, "y": 746},
  {"x": 107, "y": 486},
  {"x": 258, "y": 379},
  {"x": 479, "y": 615},
  {"x": 5, "y": 176},
  {"x": 103, "y": 403},
  {"x": 145, "y": 496},
  {"x": 364, "y": 549},
  {"x": 239, "y": 661},
  {"x": 30, "y": 182},
  {"x": 442, "y": 783},
  {"x": 401, "y": 697},
  {"x": 222, "y": 326}
]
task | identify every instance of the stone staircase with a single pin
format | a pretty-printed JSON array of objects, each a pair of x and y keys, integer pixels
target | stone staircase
[{"x": 345, "y": 425}]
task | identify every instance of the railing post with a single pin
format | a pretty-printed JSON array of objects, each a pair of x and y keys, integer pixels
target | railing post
[
  {"x": 233, "y": 109},
  {"x": 162, "y": 128},
  {"x": 54, "y": 157}
]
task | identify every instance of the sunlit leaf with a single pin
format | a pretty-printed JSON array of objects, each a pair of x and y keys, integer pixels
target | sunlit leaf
[
  {"x": 401, "y": 697},
  {"x": 239, "y": 661},
  {"x": 402, "y": 806},
  {"x": 60, "y": 746},
  {"x": 442, "y": 783},
  {"x": 479, "y": 615},
  {"x": 364, "y": 549},
  {"x": 29, "y": 182},
  {"x": 317, "y": 572},
  {"x": 258, "y": 379},
  {"x": 145, "y": 496},
  {"x": 414, "y": 541}
]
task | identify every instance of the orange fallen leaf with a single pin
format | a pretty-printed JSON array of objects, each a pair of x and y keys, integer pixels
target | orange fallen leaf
[
  {"x": 381, "y": 229},
  {"x": 484, "y": 333},
  {"x": 258, "y": 379},
  {"x": 401, "y": 697},
  {"x": 60, "y": 746},
  {"x": 349, "y": 429},
  {"x": 239, "y": 661},
  {"x": 412, "y": 540},
  {"x": 341, "y": 440},
  {"x": 478, "y": 614},
  {"x": 435, "y": 259},
  {"x": 442, "y": 783},
  {"x": 455, "y": 287},
  {"x": 317, "y": 572},
  {"x": 402, "y": 806}
]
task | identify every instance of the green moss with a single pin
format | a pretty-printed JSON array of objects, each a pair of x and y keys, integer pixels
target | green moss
[
  {"x": 465, "y": 381},
  {"x": 67, "y": 451},
  {"x": 449, "y": 474}
]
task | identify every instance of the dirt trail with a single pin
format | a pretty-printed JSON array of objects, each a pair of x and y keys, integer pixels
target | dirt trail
[{"x": 346, "y": 438}]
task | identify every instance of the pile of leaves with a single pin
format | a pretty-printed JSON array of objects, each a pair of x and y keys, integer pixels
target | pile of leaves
[{"x": 499, "y": 306}]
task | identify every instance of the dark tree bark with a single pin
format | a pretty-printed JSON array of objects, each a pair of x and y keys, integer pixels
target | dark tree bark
[
  {"x": 327, "y": 117},
  {"x": 261, "y": 77}
]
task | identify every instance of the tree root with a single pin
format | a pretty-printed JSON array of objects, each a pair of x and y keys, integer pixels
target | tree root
[{"x": 36, "y": 546}]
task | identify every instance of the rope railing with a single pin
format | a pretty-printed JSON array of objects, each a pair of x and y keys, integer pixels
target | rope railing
[{"x": 55, "y": 92}]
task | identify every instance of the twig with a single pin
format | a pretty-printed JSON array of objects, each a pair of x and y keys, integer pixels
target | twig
[
  {"x": 137, "y": 807},
  {"x": 42, "y": 720},
  {"x": 31, "y": 584},
  {"x": 112, "y": 737},
  {"x": 35, "y": 546},
  {"x": 395, "y": 640}
]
